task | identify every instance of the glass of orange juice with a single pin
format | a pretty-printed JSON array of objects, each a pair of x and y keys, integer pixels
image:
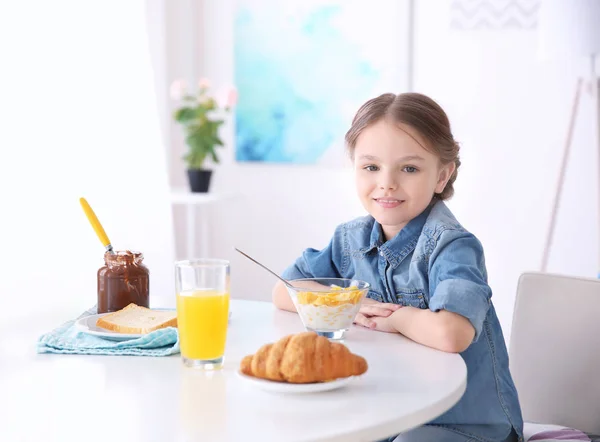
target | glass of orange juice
[{"x": 202, "y": 287}]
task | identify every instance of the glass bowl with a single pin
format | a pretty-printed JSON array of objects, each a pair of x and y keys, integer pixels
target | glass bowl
[{"x": 328, "y": 306}]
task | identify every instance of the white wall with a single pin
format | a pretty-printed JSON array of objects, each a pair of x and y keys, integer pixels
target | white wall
[
  {"x": 78, "y": 119},
  {"x": 510, "y": 113},
  {"x": 279, "y": 209}
]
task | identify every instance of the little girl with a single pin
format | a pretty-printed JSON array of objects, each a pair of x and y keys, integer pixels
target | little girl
[{"x": 427, "y": 272}]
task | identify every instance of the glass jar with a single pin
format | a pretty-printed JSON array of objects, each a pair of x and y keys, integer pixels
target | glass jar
[{"x": 123, "y": 280}]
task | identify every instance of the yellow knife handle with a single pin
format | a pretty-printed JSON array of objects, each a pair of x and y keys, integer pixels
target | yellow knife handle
[{"x": 93, "y": 219}]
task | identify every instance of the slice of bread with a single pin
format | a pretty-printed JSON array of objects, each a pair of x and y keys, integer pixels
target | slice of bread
[{"x": 136, "y": 319}]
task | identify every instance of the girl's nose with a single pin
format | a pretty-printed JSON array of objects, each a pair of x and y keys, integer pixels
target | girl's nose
[{"x": 388, "y": 183}]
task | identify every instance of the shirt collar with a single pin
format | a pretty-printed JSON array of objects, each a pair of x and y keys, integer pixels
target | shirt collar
[{"x": 403, "y": 243}]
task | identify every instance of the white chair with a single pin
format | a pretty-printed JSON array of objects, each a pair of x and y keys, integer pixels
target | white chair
[{"x": 555, "y": 350}]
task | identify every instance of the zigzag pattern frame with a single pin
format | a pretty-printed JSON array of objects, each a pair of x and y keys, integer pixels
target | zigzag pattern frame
[{"x": 493, "y": 14}]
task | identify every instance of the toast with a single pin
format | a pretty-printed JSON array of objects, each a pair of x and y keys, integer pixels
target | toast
[{"x": 136, "y": 319}]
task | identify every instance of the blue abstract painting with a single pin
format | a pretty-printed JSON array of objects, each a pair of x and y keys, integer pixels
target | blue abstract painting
[{"x": 303, "y": 67}]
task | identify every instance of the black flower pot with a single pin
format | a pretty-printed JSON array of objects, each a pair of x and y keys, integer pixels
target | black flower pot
[{"x": 199, "y": 180}]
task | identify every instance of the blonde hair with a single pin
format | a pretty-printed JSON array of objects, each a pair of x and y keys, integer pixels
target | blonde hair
[{"x": 422, "y": 114}]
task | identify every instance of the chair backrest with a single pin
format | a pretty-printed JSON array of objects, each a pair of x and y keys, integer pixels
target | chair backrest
[{"x": 555, "y": 350}]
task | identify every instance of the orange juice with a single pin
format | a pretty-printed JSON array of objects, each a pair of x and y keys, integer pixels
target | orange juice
[{"x": 202, "y": 317}]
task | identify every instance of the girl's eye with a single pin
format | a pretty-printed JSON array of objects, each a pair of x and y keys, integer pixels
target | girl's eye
[
  {"x": 371, "y": 168},
  {"x": 410, "y": 169}
]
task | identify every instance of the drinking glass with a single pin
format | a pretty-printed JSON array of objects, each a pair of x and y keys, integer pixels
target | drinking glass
[{"x": 202, "y": 288}]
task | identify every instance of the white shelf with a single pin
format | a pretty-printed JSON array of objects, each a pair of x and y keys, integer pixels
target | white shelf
[
  {"x": 191, "y": 200},
  {"x": 184, "y": 196}
]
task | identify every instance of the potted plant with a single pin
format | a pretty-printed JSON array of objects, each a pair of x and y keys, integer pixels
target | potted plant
[{"x": 201, "y": 116}]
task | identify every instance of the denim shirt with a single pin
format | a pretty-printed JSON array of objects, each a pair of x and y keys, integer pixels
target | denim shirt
[{"x": 434, "y": 263}]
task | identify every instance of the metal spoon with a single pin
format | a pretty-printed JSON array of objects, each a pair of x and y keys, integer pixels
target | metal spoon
[{"x": 267, "y": 269}]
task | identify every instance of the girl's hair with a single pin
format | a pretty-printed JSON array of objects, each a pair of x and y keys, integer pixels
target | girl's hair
[{"x": 419, "y": 112}]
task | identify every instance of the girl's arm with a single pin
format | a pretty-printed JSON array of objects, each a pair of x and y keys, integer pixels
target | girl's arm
[
  {"x": 459, "y": 302},
  {"x": 281, "y": 298},
  {"x": 311, "y": 264},
  {"x": 442, "y": 330}
]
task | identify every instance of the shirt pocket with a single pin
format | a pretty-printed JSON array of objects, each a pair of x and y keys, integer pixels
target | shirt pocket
[
  {"x": 375, "y": 295},
  {"x": 411, "y": 297}
]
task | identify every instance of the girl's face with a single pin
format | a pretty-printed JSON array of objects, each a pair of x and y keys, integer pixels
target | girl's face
[{"x": 396, "y": 177}]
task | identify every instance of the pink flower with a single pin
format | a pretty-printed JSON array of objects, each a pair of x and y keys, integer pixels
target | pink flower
[
  {"x": 177, "y": 89},
  {"x": 226, "y": 97},
  {"x": 204, "y": 83},
  {"x": 232, "y": 97}
]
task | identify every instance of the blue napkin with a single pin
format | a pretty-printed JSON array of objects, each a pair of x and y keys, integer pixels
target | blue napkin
[{"x": 67, "y": 339}]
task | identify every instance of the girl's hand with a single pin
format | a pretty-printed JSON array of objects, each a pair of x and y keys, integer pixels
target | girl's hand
[
  {"x": 370, "y": 307},
  {"x": 374, "y": 314},
  {"x": 384, "y": 325},
  {"x": 378, "y": 323}
]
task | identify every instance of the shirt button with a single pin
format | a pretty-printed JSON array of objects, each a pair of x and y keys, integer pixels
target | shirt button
[{"x": 381, "y": 254}]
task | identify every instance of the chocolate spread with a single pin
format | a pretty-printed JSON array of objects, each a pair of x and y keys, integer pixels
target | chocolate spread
[{"x": 123, "y": 280}]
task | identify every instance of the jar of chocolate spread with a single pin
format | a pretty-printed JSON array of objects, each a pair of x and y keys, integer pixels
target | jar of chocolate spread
[{"x": 123, "y": 280}]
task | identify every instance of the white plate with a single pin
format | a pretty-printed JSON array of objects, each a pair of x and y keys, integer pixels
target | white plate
[
  {"x": 285, "y": 387},
  {"x": 87, "y": 324}
]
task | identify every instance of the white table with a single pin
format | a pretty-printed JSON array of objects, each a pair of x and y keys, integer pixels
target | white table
[
  {"x": 192, "y": 200},
  {"x": 107, "y": 398}
]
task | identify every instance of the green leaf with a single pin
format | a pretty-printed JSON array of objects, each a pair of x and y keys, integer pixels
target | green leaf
[
  {"x": 194, "y": 160},
  {"x": 214, "y": 156},
  {"x": 215, "y": 140},
  {"x": 202, "y": 133},
  {"x": 185, "y": 114}
]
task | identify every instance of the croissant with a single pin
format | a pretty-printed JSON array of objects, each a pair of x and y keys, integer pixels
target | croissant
[{"x": 303, "y": 358}]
